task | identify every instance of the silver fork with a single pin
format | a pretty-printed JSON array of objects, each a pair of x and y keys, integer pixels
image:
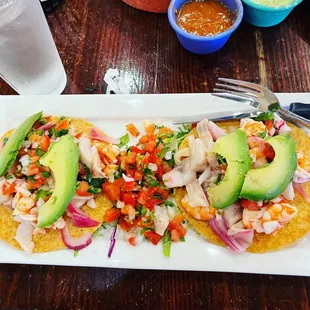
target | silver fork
[{"x": 258, "y": 97}]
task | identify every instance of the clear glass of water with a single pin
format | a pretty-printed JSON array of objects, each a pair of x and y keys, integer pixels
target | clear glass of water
[{"x": 29, "y": 60}]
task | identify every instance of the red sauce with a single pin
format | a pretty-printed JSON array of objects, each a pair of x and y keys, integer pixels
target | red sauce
[{"x": 204, "y": 18}]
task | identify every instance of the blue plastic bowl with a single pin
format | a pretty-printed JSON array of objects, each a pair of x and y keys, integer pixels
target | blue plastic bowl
[
  {"x": 204, "y": 44},
  {"x": 264, "y": 16}
]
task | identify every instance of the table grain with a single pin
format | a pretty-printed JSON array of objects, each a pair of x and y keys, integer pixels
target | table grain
[{"x": 95, "y": 35}]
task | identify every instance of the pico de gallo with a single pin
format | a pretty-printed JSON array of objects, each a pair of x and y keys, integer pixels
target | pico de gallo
[{"x": 144, "y": 207}]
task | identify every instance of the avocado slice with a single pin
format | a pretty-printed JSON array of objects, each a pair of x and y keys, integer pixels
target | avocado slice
[
  {"x": 62, "y": 158},
  {"x": 270, "y": 181},
  {"x": 233, "y": 147},
  {"x": 9, "y": 152}
]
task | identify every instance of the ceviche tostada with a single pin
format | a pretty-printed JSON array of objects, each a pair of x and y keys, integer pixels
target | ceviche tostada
[{"x": 239, "y": 184}]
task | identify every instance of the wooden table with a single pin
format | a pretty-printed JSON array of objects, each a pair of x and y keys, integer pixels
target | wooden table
[{"x": 95, "y": 35}]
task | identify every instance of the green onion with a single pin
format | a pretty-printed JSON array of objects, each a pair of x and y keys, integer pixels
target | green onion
[
  {"x": 168, "y": 203},
  {"x": 46, "y": 174},
  {"x": 265, "y": 116},
  {"x": 167, "y": 243},
  {"x": 123, "y": 140},
  {"x": 39, "y": 152},
  {"x": 41, "y": 194}
]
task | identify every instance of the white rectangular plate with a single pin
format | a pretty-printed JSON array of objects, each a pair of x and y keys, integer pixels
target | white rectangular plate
[{"x": 111, "y": 113}]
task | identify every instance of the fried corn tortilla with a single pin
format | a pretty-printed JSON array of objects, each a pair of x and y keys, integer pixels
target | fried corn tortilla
[
  {"x": 52, "y": 240},
  {"x": 287, "y": 236}
]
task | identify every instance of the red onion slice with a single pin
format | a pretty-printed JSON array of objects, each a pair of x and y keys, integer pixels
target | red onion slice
[
  {"x": 47, "y": 126},
  {"x": 113, "y": 241},
  {"x": 80, "y": 218},
  {"x": 239, "y": 242},
  {"x": 75, "y": 243},
  {"x": 301, "y": 191},
  {"x": 97, "y": 134}
]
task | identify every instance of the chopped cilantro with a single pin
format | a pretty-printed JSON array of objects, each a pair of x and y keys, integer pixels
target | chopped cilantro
[
  {"x": 39, "y": 152},
  {"x": 88, "y": 173},
  {"x": 265, "y": 116},
  {"x": 39, "y": 132},
  {"x": 142, "y": 211},
  {"x": 42, "y": 121},
  {"x": 46, "y": 174},
  {"x": 9, "y": 177},
  {"x": 32, "y": 179},
  {"x": 61, "y": 132},
  {"x": 171, "y": 162},
  {"x": 153, "y": 183},
  {"x": 96, "y": 182},
  {"x": 5, "y": 140},
  {"x": 118, "y": 174},
  {"x": 152, "y": 216},
  {"x": 123, "y": 140},
  {"x": 62, "y": 118},
  {"x": 41, "y": 194},
  {"x": 221, "y": 159},
  {"x": 147, "y": 171},
  {"x": 262, "y": 134},
  {"x": 157, "y": 196},
  {"x": 76, "y": 253},
  {"x": 168, "y": 203},
  {"x": 182, "y": 239},
  {"x": 167, "y": 243},
  {"x": 94, "y": 190}
]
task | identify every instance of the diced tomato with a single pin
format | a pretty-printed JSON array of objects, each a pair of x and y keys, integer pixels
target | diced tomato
[
  {"x": 45, "y": 143},
  {"x": 132, "y": 241},
  {"x": 143, "y": 196},
  {"x": 32, "y": 153},
  {"x": 131, "y": 159},
  {"x": 145, "y": 161},
  {"x": 22, "y": 152},
  {"x": 143, "y": 139},
  {"x": 8, "y": 188},
  {"x": 130, "y": 171},
  {"x": 152, "y": 237},
  {"x": 130, "y": 198},
  {"x": 133, "y": 130},
  {"x": 64, "y": 124},
  {"x": 113, "y": 190},
  {"x": 269, "y": 152},
  {"x": 36, "y": 184},
  {"x": 150, "y": 146},
  {"x": 176, "y": 222},
  {"x": 193, "y": 125},
  {"x": 33, "y": 169},
  {"x": 160, "y": 172},
  {"x": 34, "y": 159},
  {"x": 136, "y": 150},
  {"x": 155, "y": 160},
  {"x": 268, "y": 124},
  {"x": 152, "y": 202},
  {"x": 82, "y": 189},
  {"x": 150, "y": 128},
  {"x": 129, "y": 186},
  {"x": 182, "y": 231},
  {"x": 250, "y": 205},
  {"x": 112, "y": 215},
  {"x": 175, "y": 235},
  {"x": 124, "y": 225},
  {"x": 138, "y": 175},
  {"x": 164, "y": 193}
]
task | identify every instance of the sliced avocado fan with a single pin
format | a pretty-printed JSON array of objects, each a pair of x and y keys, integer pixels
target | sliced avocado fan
[
  {"x": 270, "y": 181},
  {"x": 9, "y": 152},
  {"x": 233, "y": 147},
  {"x": 62, "y": 158}
]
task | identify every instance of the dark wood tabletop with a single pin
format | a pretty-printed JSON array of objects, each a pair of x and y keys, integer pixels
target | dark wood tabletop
[{"x": 93, "y": 36}]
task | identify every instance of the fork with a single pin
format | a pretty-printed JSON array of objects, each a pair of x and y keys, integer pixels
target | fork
[{"x": 258, "y": 97}]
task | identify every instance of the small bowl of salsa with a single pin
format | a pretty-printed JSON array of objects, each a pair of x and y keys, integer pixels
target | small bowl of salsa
[
  {"x": 267, "y": 13},
  {"x": 204, "y": 26}
]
